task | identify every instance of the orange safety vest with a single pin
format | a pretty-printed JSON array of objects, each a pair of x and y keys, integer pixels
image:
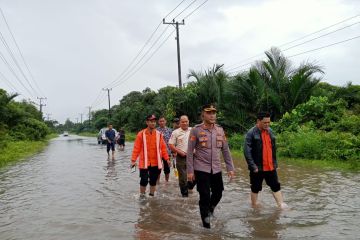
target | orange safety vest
[{"x": 140, "y": 150}]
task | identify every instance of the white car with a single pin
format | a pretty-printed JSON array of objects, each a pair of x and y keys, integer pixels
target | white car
[
  {"x": 101, "y": 138},
  {"x": 65, "y": 134}
]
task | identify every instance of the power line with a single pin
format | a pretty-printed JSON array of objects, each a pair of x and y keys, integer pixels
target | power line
[
  {"x": 118, "y": 82},
  {"x": 126, "y": 69},
  {"x": 143, "y": 56},
  {"x": 97, "y": 97},
  {"x": 131, "y": 69},
  {"x": 310, "y": 40},
  {"x": 311, "y": 50},
  {"x": 326, "y": 46},
  {"x": 18, "y": 48},
  {"x": 339, "y": 29},
  {"x": 320, "y": 30},
  {"x": 166, "y": 39},
  {"x": 195, "y": 9},
  {"x": 13, "y": 72},
  {"x": 100, "y": 101},
  {"x": 13, "y": 88},
  {"x": 287, "y": 43},
  {"x": 185, "y": 9},
  {"x": 16, "y": 62},
  {"x": 174, "y": 9}
]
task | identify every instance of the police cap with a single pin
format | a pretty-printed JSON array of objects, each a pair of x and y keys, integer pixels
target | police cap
[{"x": 209, "y": 108}]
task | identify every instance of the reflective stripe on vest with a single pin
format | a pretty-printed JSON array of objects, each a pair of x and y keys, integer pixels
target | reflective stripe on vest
[{"x": 157, "y": 149}]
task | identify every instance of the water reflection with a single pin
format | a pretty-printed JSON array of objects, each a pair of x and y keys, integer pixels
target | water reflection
[
  {"x": 110, "y": 168},
  {"x": 264, "y": 224}
]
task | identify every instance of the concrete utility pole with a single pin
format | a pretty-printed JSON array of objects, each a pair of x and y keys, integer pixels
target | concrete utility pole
[
  {"x": 108, "y": 90},
  {"x": 176, "y": 24},
  {"x": 41, "y": 104},
  {"x": 81, "y": 117},
  {"x": 89, "y": 114}
]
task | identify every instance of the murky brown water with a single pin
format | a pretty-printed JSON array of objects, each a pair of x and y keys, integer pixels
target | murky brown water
[{"x": 71, "y": 191}]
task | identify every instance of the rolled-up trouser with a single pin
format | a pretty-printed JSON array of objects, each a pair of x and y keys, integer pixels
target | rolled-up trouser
[
  {"x": 271, "y": 179},
  {"x": 151, "y": 173},
  {"x": 210, "y": 187},
  {"x": 166, "y": 167}
]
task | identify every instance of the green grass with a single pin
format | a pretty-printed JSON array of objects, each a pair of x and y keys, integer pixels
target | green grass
[
  {"x": 314, "y": 164},
  {"x": 350, "y": 166},
  {"x": 18, "y": 150},
  {"x": 130, "y": 136}
]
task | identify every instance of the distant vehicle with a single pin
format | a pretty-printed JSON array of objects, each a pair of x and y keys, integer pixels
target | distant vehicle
[
  {"x": 101, "y": 138},
  {"x": 65, "y": 134}
]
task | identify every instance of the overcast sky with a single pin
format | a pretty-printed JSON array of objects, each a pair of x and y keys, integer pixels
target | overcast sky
[{"x": 74, "y": 48}]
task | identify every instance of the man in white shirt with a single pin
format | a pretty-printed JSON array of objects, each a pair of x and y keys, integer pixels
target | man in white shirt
[{"x": 178, "y": 144}]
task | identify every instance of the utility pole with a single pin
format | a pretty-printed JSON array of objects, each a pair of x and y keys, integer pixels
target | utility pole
[
  {"x": 89, "y": 115},
  {"x": 108, "y": 90},
  {"x": 81, "y": 117},
  {"x": 41, "y": 104},
  {"x": 176, "y": 24}
]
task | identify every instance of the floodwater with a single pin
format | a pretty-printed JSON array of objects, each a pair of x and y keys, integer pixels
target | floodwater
[{"x": 72, "y": 191}]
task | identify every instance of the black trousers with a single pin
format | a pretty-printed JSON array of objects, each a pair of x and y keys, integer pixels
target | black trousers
[
  {"x": 271, "y": 179},
  {"x": 210, "y": 187}
]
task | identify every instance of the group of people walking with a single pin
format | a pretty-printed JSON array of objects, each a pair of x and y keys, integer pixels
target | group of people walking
[{"x": 197, "y": 152}]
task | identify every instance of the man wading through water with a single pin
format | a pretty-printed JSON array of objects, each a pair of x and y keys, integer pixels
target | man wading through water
[
  {"x": 110, "y": 134},
  {"x": 150, "y": 148},
  {"x": 179, "y": 144},
  {"x": 166, "y": 133},
  {"x": 260, "y": 155},
  {"x": 204, "y": 166}
]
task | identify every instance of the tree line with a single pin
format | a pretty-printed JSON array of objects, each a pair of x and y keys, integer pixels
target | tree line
[{"x": 273, "y": 85}]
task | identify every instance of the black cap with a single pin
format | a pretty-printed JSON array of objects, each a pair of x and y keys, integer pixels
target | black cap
[
  {"x": 209, "y": 108},
  {"x": 175, "y": 120},
  {"x": 151, "y": 117}
]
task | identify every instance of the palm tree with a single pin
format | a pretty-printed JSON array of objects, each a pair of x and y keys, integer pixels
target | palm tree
[
  {"x": 211, "y": 84},
  {"x": 5, "y": 99},
  {"x": 285, "y": 86}
]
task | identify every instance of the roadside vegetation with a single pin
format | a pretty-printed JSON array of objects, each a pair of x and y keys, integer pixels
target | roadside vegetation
[{"x": 23, "y": 131}]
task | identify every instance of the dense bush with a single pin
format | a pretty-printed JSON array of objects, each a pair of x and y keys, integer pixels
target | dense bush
[
  {"x": 318, "y": 112},
  {"x": 30, "y": 129},
  {"x": 311, "y": 144},
  {"x": 236, "y": 141}
]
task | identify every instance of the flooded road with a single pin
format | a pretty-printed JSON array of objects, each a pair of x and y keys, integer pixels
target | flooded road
[{"x": 71, "y": 191}]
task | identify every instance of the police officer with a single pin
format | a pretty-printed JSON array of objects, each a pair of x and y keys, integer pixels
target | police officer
[{"x": 206, "y": 142}]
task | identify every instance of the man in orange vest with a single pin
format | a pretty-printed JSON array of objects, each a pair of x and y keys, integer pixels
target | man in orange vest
[{"x": 151, "y": 149}]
